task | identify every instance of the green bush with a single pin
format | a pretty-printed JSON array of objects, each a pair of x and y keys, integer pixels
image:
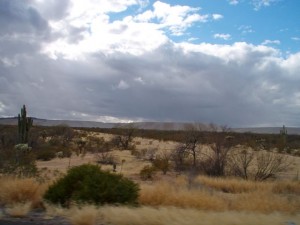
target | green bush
[{"x": 89, "y": 184}]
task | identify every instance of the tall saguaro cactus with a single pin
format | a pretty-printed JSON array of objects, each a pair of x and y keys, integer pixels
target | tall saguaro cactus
[{"x": 24, "y": 125}]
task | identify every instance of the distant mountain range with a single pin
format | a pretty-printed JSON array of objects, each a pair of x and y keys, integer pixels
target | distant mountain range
[{"x": 145, "y": 125}]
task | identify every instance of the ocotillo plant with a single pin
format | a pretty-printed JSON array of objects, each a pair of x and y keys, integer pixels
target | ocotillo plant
[{"x": 24, "y": 125}]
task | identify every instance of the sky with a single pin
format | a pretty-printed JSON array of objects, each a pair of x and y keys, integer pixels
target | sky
[{"x": 229, "y": 62}]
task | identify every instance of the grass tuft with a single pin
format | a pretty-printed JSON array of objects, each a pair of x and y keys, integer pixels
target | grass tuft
[
  {"x": 20, "y": 190},
  {"x": 19, "y": 209},
  {"x": 85, "y": 215},
  {"x": 166, "y": 194},
  {"x": 179, "y": 216},
  {"x": 209, "y": 194}
]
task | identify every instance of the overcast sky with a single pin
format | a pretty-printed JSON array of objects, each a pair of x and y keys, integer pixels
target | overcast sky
[{"x": 233, "y": 62}]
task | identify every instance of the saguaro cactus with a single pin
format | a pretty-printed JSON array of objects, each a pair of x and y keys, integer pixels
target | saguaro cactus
[
  {"x": 24, "y": 125},
  {"x": 282, "y": 140}
]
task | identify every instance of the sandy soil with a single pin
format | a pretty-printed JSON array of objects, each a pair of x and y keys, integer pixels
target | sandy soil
[{"x": 131, "y": 165}]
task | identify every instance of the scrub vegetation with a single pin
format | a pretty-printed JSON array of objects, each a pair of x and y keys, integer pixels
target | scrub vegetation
[{"x": 162, "y": 177}]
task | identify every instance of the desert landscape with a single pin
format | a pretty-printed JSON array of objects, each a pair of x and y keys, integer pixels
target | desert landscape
[
  {"x": 149, "y": 112},
  {"x": 167, "y": 194}
]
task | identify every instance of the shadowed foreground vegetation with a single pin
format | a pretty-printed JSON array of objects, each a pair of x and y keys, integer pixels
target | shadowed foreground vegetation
[{"x": 180, "y": 201}]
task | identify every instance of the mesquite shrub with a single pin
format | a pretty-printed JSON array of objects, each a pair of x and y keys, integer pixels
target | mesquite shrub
[{"x": 89, "y": 184}]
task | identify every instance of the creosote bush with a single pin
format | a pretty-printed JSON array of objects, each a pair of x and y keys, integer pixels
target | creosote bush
[
  {"x": 147, "y": 172},
  {"x": 89, "y": 184}
]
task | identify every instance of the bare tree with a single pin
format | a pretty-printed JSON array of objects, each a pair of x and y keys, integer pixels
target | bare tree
[
  {"x": 192, "y": 140},
  {"x": 268, "y": 164},
  {"x": 259, "y": 166},
  {"x": 186, "y": 154},
  {"x": 103, "y": 153},
  {"x": 216, "y": 161},
  {"x": 124, "y": 141},
  {"x": 240, "y": 162},
  {"x": 179, "y": 157}
]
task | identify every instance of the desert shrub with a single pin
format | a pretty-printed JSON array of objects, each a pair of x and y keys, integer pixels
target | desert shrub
[
  {"x": 17, "y": 163},
  {"x": 147, "y": 172},
  {"x": 89, "y": 184},
  {"x": 45, "y": 154},
  {"x": 105, "y": 158},
  {"x": 162, "y": 163},
  {"x": 67, "y": 152}
]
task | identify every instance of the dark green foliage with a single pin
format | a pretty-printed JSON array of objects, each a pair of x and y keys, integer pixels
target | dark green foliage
[
  {"x": 24, "y": 125},
  {"x": 89, "y": 184}
]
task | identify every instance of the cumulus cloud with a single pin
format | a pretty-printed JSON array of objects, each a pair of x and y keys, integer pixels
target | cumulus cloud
[
  {"x": 21, "y": 17},
  {"x": 176, "y": 18},
  {"x": 270, "y": 42},
  {"x": 222, "y": 36},
  {"x": 217, "y": 16},
  {"x": 76, "y": 65}
]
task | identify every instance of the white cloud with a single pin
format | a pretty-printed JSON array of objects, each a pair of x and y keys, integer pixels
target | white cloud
[
  {"x": 246, "y": 29},
  {"x": 222, "y": 36},
  {"x": 125, "y": 36},
  {"x": 193, "y": 39},
  {"x": 217, "y": 16},
  {"x": 129, "y": 69},
  {"x": 258, "y": 4},
  {"x": 237, "y": 53},
  {"x": 123, "y": 85},
  {"x": 233, "y": 2},
  {"x": 270, "y": 42},
  {"x": 295, "y": 38},
  {"x": 176, "y": 18},
  {"x": 128, "y": 35}
]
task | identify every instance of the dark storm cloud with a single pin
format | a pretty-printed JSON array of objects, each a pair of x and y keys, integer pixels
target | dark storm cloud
[
  {"x": 246, "y": 85},
  {"x": 186, "y": 87},
  {"x": 19, "y": 17}
]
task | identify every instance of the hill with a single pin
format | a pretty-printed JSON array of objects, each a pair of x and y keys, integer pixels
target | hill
[{"x": 146, "y": 125}]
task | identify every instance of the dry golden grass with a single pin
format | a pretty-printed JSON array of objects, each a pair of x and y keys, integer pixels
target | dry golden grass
[
  {"x": 54, "y": 210},
  {"x": 179, "y": 216},
  {"x": 166, "y": 194},
  {"x": 20, "y": 190},
  {"x": 286, "y": 187},
  {"x": 231, "y": 185},
  {"x": 85, "y": 215},
  {"x": 243, "y": 196},
  {"x": 19, "y": 209},
  {"x": 265, "y": 202},
  {"x": 235, "y": 185}
]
